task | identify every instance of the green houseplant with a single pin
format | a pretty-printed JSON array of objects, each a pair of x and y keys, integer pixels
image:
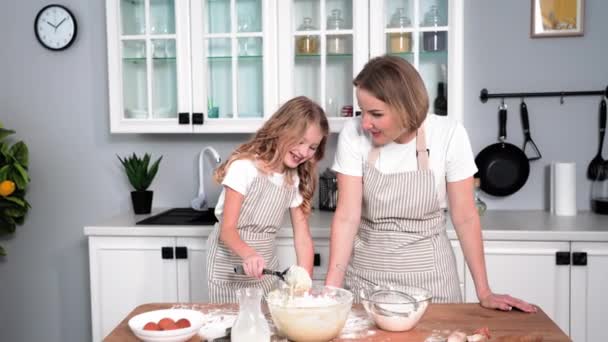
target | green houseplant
[
  {"x": 14, "y": 179},
  {"x": 140, "y": 174}
]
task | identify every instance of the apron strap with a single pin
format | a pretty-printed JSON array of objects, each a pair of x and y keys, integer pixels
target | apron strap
[
  {"x": 422, "y": 153},
  {"x": 373, "y": 156}
]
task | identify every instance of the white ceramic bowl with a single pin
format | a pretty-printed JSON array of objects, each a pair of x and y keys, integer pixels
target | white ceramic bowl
[
  {"x": 137, "y": 323},
  {"x": 395, "y": 312},
  {"x": 310, "y": 323}
]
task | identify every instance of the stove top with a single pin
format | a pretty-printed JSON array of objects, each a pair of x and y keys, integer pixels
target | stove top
[{"x": 182, "y": 217}]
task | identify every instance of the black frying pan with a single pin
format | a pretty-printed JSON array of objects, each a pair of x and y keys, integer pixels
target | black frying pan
[{"x": 503, "y": 167}]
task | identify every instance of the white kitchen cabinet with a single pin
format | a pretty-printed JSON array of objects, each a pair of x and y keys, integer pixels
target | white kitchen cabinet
[
  {"x": 459, "y": 256},
  {"x": 211, "y": 66},
  {"x": 588, "y": 296},
  {"x": 184, "y": 66},
  {"x": 528, "y": 270},
  {"x": 129, "y": 271},
  {"x": 286, "y": 253}
]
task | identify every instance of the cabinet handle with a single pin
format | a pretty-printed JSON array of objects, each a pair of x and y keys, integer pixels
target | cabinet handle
[
  {"x": 167, "y": 252},
  {"x": 579, "y": 258},
  {"x": 198, "y": 118},
  {"x": 181, "y": 253},
  {"x": 562, "y": 258},
  {"x": 183, "y": 118},
  {"x": 317, "y": 260}
]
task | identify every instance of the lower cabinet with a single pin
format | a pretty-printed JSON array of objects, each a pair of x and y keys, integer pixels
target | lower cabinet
[
  {"x": 129, "y": 271},
  {"x": 566, "y": 279},
  {"x": 588, "y": 294}
]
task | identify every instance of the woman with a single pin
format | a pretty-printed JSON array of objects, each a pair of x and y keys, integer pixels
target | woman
[{"x": 398, "y": 169}]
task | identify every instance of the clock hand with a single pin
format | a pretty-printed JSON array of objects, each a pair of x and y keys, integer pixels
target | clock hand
[
  {"x": 53, "y": 26},
  {"x": 61, "y": 22}
]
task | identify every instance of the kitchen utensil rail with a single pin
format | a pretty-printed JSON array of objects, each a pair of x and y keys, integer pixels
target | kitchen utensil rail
[{"x": 484, "y": 95}]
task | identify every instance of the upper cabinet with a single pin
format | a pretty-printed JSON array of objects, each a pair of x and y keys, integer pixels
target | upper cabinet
[{"x": 203, "y": 66}]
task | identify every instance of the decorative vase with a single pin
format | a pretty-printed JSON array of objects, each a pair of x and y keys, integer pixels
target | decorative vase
[{"x": 142, "y": 201}]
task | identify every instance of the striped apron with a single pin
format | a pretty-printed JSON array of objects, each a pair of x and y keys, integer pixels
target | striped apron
[
  {"x": 402, "y": 237},
  {"x": 261, "y": 215}
]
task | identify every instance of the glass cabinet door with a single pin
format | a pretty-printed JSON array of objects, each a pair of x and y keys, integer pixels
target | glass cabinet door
[
  {"x": 422, "y": 32},
  {"x": 232, "y": 64},
  {"x": 148, "y": 48},
  {"x": 323, "y": 43}
]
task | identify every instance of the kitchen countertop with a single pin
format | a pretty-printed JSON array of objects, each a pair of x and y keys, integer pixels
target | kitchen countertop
[
  {"x": 530, "y": 225},
  {"x": 503, "y": 326}
]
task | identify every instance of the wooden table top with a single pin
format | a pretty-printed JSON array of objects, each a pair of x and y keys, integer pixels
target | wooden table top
[{"x": 513, "y": 326}]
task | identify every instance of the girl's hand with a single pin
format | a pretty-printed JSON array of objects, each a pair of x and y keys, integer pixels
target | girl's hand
[
  {"x": 506, "y": 303},
  {"x": 253, "y": 265}
]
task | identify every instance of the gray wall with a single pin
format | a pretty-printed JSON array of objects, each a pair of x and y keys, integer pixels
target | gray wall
[{"x": 57, "y": 102}]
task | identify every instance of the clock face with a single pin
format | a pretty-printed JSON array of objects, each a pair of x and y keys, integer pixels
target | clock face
[{"x": 55, "y": 27}]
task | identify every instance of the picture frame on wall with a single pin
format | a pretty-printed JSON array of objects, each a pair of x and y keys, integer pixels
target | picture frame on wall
[{"x": 557, "y": 18}]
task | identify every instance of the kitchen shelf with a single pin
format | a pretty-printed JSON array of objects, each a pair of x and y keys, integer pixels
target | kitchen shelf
[{"x": 227, "y": 58}]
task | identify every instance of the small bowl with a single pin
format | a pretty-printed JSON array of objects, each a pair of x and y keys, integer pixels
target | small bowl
[
  {"x": 395, "y": 312},
  {"x": 300, "y": 322},
  {"x": 137, "y": 323}
]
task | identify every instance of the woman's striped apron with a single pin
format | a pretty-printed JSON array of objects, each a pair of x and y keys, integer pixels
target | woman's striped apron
[
  {"x": 261, "y": 215},
  {"x": 402, "y": 238}
]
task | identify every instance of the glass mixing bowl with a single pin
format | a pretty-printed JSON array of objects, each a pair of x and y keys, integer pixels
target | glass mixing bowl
[
  {"x": 391, "y": 310},
  {"x": 318, "y": 314}
]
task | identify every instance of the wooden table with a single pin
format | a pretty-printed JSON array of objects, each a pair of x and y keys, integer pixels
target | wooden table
[{"x": 511, "y": 326}]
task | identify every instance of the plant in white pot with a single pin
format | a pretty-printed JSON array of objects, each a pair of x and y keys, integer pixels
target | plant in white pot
[{"x": 140, "y": 174}]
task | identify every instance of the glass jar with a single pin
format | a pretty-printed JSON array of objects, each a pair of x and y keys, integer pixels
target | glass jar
[
  {"x": 481, "y": 205},
  {"x": 250, "y": 324},
  {"x": 433, "y": 40},
  {"x": 599, "y": 191},
  {"x": 307, "y": 44},
  {"x": 400, "y": 42},
  {"x": 336, "y": 44}
]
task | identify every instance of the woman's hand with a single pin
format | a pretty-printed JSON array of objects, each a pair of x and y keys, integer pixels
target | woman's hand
[
  {"x": 505, "y": 303},
  {"x": 254, "y": 265}
]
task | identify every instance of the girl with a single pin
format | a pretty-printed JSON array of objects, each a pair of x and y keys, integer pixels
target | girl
[{"x": 263, "y": 177}]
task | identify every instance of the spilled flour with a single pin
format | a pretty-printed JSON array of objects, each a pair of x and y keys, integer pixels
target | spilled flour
[{"x": 357, "y": 326}]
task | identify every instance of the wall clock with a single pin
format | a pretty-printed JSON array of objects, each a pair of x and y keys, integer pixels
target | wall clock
[{"x": 55, "y": 27}]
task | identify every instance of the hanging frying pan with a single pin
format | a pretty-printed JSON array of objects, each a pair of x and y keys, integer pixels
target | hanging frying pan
[{"x": 503, "y": 167}]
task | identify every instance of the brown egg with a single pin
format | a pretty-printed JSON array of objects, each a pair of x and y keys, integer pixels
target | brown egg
[
  {"x": 151, "y": 326},
  {"x": 166, "y": 324},
  {"x": 183, "y": 323}
]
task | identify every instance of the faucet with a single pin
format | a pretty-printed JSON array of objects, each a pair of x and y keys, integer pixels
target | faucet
[{"x": 200, "y": 201}]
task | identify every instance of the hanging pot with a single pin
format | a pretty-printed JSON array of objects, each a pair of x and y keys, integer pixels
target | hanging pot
[{"x": 503, "y": 167}]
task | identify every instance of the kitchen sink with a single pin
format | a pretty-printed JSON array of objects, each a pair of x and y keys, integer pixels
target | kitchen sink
[{"x": 182, "y": 217}]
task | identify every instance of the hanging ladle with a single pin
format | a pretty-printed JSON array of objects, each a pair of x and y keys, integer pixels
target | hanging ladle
[
  {"x": 597, "y": 169},
  {"x": 281, "y": 274}
]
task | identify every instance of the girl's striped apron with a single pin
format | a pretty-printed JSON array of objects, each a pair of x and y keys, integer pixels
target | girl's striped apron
[
  {"x": 261, "y": 215},
  {"x": 402, "y": 238}
]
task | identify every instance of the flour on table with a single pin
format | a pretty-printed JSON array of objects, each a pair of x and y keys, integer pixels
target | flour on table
[
  {"x": 357, "y": 326},
  {"x": 215, "y": 323}
]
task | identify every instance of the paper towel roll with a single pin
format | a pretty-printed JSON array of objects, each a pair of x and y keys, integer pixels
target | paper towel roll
[{"x": 564, "y": 188}]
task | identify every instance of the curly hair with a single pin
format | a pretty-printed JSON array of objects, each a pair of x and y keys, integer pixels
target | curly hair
[{"x": 268, "y": 147}]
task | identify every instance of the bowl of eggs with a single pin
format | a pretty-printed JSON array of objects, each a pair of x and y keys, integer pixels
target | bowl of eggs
[
  {"x": 395, "y": 308},
  {"x": 169, "y": 325}
]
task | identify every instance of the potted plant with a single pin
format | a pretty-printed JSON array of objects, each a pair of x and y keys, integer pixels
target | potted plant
[
  {"x": 140, "y": 174},
  {"x": 14, "y": 179}
]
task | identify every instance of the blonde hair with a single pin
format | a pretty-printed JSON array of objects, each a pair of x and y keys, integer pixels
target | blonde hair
[
  {"x": 396, "y": 82},
  {"x": 268, "y": 147}
]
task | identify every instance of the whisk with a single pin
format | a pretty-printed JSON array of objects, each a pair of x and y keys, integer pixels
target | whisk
[{"x": 597, "y": 169}]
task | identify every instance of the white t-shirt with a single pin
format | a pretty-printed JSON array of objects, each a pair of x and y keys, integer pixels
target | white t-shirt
[
  {"x": 451, "y": 157},
  {"x": 239, "y": 177}
]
